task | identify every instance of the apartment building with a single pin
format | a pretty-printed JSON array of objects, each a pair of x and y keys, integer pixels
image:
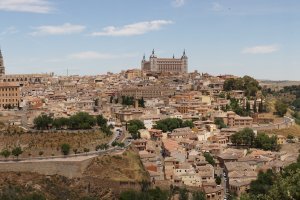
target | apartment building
[{"x": 9, "y": 95}]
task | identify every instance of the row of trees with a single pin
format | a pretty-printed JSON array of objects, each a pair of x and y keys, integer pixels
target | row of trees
[
  {"x": 170, "y": 124},
  {"x": 81, "y": 120},
  {"x": 17, "y": 151},
  {"x": 65, "y": 148},
  {"x": 244, "y": 111},
  {"x": 261, "y": 140}
]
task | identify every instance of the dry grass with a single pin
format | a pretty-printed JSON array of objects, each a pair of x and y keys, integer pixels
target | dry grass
[
  {"x": 49, "y": 143},
  {"x": 293, "y": 130},
  {"x": 125, "y": 167},
  {"x": 52, "y": 187}
]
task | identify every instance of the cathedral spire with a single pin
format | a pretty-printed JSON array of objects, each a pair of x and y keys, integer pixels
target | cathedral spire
[
  {"x": 184, "y": 54},
  {"x": 2, "y": 68},
  {"x": 153, "y": 54}
]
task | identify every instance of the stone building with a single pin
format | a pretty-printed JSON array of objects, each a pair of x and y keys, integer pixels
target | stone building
[
  {"x": 175, "y": 65},
  {"x": 9, "y": 94},
  {"x": 146, "y": 92}
]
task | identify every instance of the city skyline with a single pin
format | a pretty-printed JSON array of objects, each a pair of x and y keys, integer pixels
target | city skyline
[{"x": 220, "y": 37}]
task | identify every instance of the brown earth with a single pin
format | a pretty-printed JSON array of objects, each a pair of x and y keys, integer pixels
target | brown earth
[
  {"x": 100, "y": 180},
  {"x": 51, "y": 187},
  {"x": 49, "y": 143},
  {"x": 124, "y": 167},
  {"x": 293, "y": 130}
]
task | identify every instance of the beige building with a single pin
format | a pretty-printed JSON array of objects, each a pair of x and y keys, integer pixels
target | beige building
[
  {"x": 9, "y": 94},
  {"x": 23, "y": 79},
  {"x": 133, "y": 73},
  {"x": 231, "y": 119},
  {"x": 177, "y": 65},
  {"x": 146, "y": 92}
]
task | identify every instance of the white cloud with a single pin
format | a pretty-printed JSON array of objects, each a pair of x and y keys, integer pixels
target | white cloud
[
  {"x": 64, "y": 29},
  {"x": 9, "y": 30},
  {"x": 217, "y": 7},
  {"x": 178, "y": 3},
  {"x": 263, "y": 49},
  {"x": 139, "y": 28},
  {"x": 91, "y": 55},
  {"x": 33, "y": 6}
]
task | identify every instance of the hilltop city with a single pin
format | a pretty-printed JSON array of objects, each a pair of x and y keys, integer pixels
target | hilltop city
[{"x": 154, "y": 129}]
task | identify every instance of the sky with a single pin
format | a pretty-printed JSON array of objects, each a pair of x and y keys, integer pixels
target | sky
[{"x": 260, "y": 38}]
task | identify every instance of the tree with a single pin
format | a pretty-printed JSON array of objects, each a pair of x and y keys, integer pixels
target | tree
[
  {"x": 106, "y": 130},
  {"x": 127, "y": 100},
  {"x": 290, "y": 137},
  {"x": 248, "y": 84},
  {"x": 5, "y": 153},
  {"x": 58, "y": 123},
  {"x": 65, "y": 149},
  {"x": 133, "y": 130},
  {"x": 243, "y": 137},
  {"x": 188, "y": 123},
  {"x": 255, "y": 106},
  {"x": 41, "y": 153},
  {"x": 134, "y": 126},
  {"x": 263, "y": 183},
  {"x": 82, "y": 120},
  {"x": 199, "y": 196},
  {"x": 271, "y": 186},
  {"x": 209, "y": 158},
  {"x": 263, "y": 141},
  {"x": 248, "y": 109},
  {"x": 75, "y": 151},
  {"x": 102, "y": 147},
  {"x": 220, "y": 123},
  {"x": 218, "y": 180},
  {"x": 101, "y": 121},
  {"x": 16, "y": 152},
  {"x": 296, "y": 103},
  {"x": 170, "y": 124},
  {"x": 260, "y": 107},
  {"x": 86, "y": 150},
  {"x": 281, "y": 108},
  {"x": 141, "y": 102},
  {"x": 43, "y": 122},
  {"x": 183, "y": 194}
]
